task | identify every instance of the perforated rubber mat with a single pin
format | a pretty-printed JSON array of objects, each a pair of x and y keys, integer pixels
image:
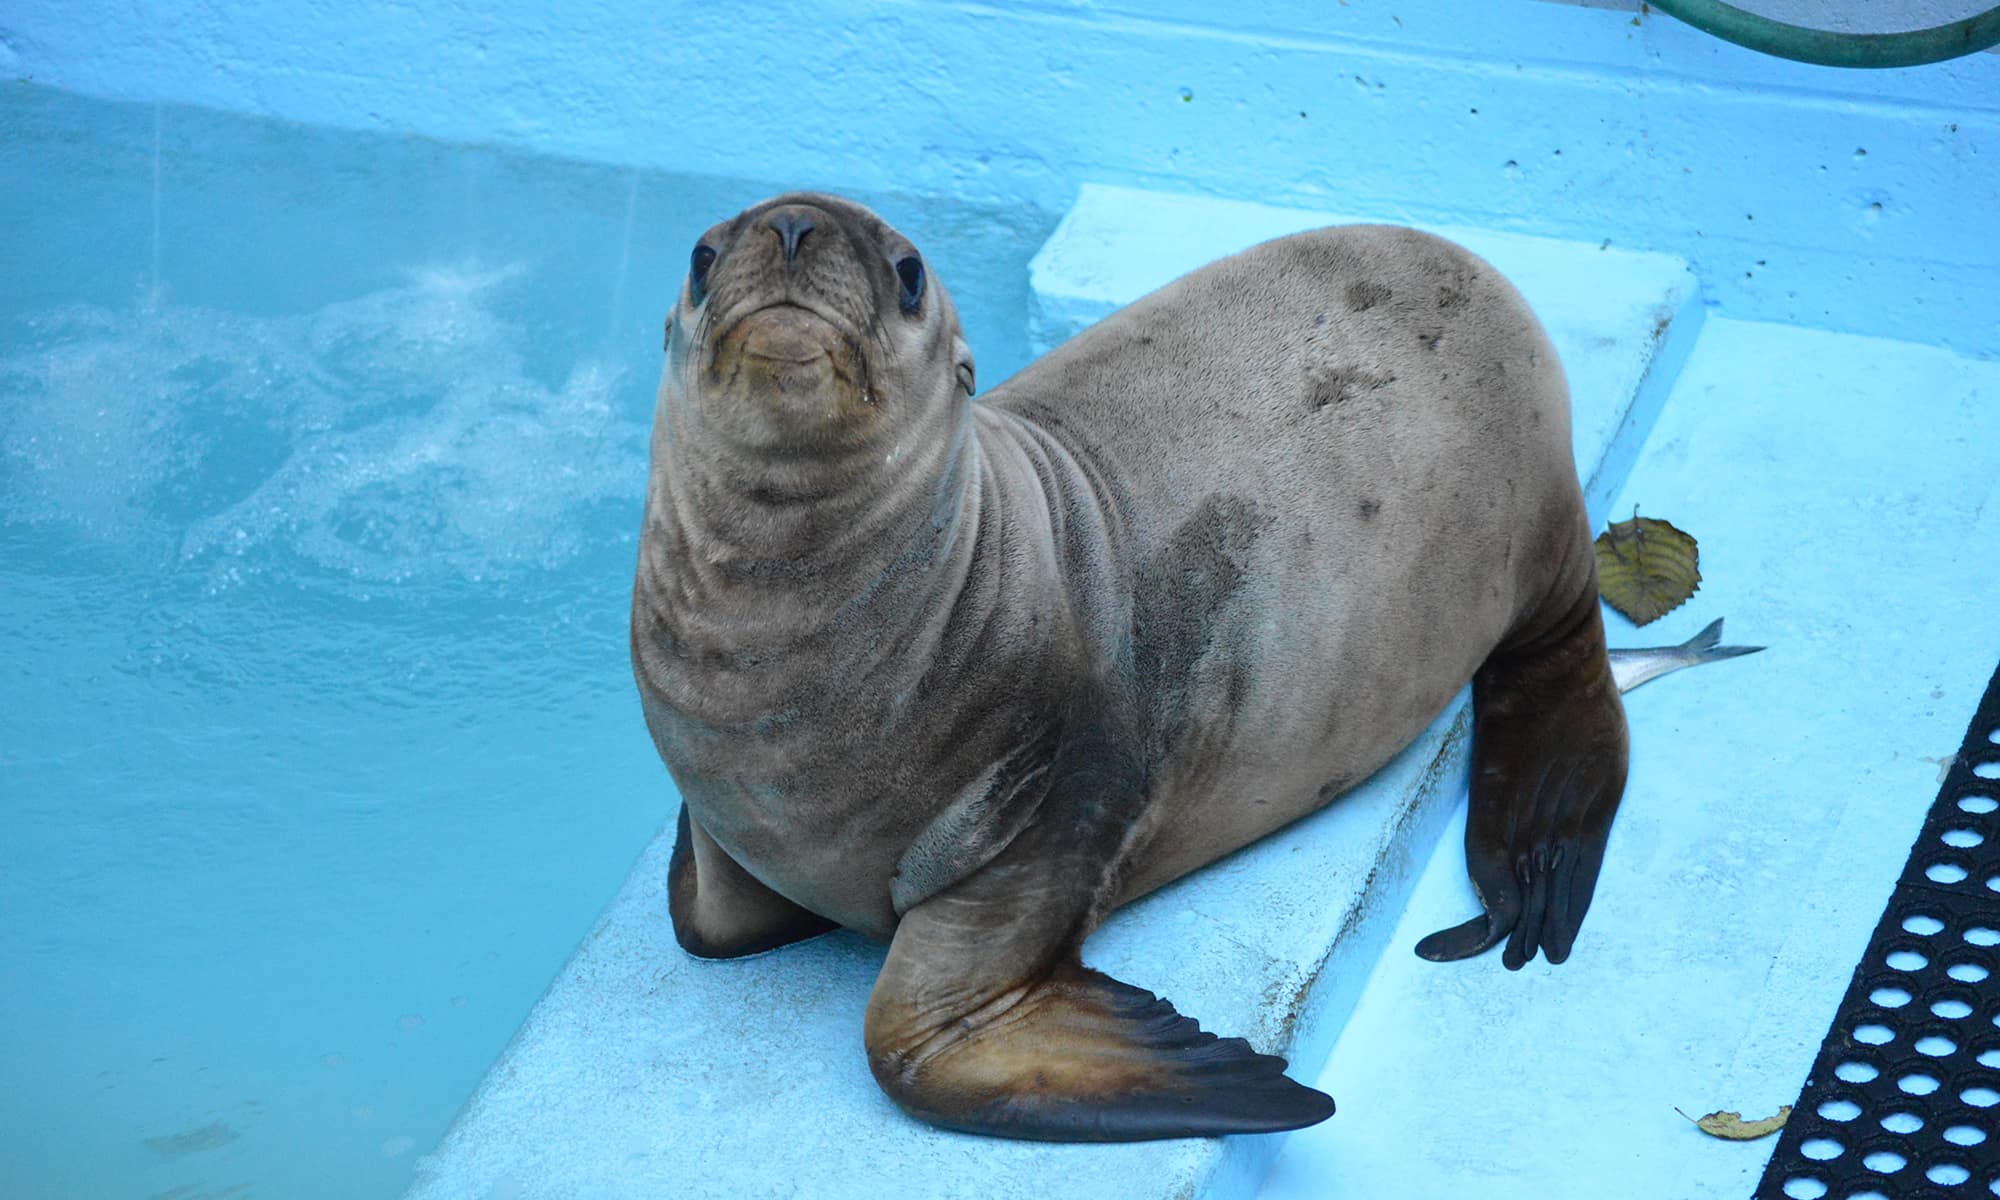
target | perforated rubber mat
[{"x": 1904, "y": 1098}]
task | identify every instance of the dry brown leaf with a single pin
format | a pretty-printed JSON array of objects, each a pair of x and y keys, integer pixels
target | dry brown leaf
[
  {"x": 1732, "y": 1127},
  {"x": 1646, "y": 568}
]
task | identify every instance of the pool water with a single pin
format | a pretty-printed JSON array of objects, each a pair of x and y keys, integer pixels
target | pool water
[{"x": 321, "y": 460}]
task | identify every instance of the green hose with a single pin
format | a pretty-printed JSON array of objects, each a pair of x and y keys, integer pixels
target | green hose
[{"x": 1827, "y": 49}]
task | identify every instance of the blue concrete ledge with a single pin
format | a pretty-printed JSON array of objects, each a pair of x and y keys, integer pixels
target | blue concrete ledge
[{"x": 643, "y": 1073}]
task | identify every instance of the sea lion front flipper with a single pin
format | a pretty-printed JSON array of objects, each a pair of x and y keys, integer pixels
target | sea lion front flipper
[
  {"x": 1549, "y": 751},
  {"x": 720, "y": 910},
  {"x": 985, "y": 1020}
]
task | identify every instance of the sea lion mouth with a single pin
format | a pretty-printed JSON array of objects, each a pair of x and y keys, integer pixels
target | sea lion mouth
[
  {"x": 789, "y": 370},
  {"x": 785, "y": 331},
  {"x": 787, "y": 338}
]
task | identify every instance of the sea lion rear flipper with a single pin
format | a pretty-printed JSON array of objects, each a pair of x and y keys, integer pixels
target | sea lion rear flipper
[
  {"x": 985, "y": 1020},
  {"x": 1080, "y": 1057},
  {"x": 720, "y": 910},
  {"x": 1549, "y": 756}
]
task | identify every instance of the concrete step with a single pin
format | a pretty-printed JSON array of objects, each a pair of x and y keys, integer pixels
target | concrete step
[{"x": 644, "y": 1073}]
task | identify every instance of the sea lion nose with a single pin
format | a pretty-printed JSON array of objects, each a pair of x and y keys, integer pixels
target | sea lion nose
[{"x": 791, "y": 226}]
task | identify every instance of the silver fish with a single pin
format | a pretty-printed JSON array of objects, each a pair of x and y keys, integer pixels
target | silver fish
[{"x": 1630, "y": 668}]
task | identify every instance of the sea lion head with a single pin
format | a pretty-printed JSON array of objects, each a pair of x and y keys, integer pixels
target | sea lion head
[{"x": 808, "y": 326}]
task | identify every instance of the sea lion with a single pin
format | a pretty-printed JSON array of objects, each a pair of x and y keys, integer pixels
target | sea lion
[{"x": 968, "y": 676}]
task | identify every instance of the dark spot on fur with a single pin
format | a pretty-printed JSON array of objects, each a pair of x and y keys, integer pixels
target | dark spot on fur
[
  {"x": 1429, "y": 338},
  {"x": 1319, "y": 319},
  {"x": 1332, "y": 788},
  {"x": 1369, "y": 508},
  {"x": 1327, "y": 383},
  {"x": 1180, "y": 593},
  {"x": 1363, "y": 296},
  {"x": 1451, "y": 296}
]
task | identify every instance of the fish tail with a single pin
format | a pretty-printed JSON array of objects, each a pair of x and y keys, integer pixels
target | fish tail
[
  {"x": 1705, "y": 646},
  {"x": 1630, "y": 668}
]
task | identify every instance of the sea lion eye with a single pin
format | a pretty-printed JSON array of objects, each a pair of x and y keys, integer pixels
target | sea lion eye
[
  {"x": 910, "y": 272},
  {"x": 704, "y": 258}
]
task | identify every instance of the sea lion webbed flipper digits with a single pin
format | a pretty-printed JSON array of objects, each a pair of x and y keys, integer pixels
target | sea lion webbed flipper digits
[
  {"x": 1549, "y": 754},
  {"x": 719, "y": 910},
  {"x": 984, "y": 1018}
]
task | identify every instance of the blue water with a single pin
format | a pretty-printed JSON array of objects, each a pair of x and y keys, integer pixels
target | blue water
[{"x": 321, "y": 457}]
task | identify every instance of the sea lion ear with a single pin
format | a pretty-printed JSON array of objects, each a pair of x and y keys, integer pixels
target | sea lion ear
[{"x": 963, "y": 353}]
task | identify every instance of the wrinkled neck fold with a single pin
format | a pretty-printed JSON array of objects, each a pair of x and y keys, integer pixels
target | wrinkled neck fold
[{"x": 812, "y": 515}]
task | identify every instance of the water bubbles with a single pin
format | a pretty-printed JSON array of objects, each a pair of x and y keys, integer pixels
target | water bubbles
[{"x": 402, "y": 436}]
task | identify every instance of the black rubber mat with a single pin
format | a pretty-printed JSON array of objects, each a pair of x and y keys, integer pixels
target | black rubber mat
[{"x": 1904, "y": 1099}]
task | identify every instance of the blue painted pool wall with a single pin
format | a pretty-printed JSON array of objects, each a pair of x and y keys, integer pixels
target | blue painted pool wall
[{"x": 1847, "y": 200}]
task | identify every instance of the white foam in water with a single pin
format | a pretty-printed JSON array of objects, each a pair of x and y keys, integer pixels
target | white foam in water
[
  {"x": 88, "y": 429},
  {"x": 389, "y": 438}
]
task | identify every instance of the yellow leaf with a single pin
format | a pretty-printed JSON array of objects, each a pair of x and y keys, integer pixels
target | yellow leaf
[
  {"x": 1733, "y": 1127},
  {"x": 1646, "y": 568}
]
